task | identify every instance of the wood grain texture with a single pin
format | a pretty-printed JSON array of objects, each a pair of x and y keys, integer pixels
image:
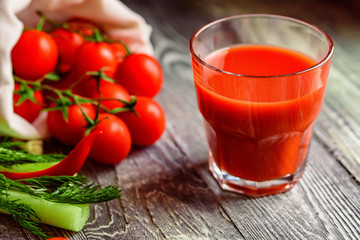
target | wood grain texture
[{"x": 168, "y": 191}]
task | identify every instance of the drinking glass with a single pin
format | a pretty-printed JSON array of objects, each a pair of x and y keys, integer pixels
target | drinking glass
[{"x": 259, "y": 127}]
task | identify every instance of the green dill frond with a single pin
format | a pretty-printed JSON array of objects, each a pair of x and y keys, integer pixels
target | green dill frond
[
  {"x": 59, "y": 189},
  {"x": 11, "y": 154},
  {"x": 63, "y": 189},
  {"x": 23, "y": 215}
]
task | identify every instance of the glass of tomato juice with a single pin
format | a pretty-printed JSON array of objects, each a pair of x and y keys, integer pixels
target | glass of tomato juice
[{"x": 260, "y": 81}]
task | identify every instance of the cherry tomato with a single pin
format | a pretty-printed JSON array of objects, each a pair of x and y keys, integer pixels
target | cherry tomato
[
  {"x": 88, "y": 88},
  {"x": 82, "y": 25},
  {"x": 140, "y": 74},
  {"x": 114, "y": 144},
  {"x": 94, "y": 56},
  {"x": 114, "y": 91},
  {"x": 34, "y": 55},
  {"x": 69, "y": 132},
  {"x": 91, "y": 57},
  {"x": 119, "y": 51},
  {"x": 65, "y": 82},
  {"x": 68, "y": 43},
  {"x": 149, "y": 125},
  {"x": 28, "y": 109}
]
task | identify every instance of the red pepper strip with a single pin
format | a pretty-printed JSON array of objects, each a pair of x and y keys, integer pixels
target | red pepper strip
[{"x": 70, "y": 165}]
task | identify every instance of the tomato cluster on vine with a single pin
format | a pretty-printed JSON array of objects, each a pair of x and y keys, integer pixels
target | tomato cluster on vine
[{"x": 87, "y": 82}]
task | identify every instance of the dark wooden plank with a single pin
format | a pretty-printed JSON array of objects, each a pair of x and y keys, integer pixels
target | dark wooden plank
[{"x": 324, "y": 205}]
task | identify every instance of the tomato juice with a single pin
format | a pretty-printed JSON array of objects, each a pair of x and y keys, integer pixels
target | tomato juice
[{"x": 258, "y": 114}]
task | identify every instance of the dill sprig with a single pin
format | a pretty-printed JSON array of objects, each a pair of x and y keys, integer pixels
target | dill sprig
[
  {"x": 23, "y": 215},
  {"x": 63, "y": 189},
  {"x": 60, "y": 189},
  {"x": 11, "y": 154}
]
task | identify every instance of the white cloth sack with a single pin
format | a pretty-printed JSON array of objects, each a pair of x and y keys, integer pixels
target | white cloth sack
[{"x": 118, "y": 22}]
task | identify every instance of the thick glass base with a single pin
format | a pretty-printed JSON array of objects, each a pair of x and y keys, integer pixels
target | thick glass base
[{"x": 254, "y": 188}]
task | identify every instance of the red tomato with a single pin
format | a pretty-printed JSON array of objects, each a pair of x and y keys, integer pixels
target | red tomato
[
  {"x": 88, "y": 88},
  {"x": 119, "y": 51},
  {"x": 114, "y": 144},
  {"x": 148, "y": 127},
  {"x": 82, "y": 25},
  {"x": 28, "y": 109},
  {"x": 94, "y": 56},
  {"x": 68, "y": 44},
  {"x": 115, "y": 91},
  {"x": 34, "y": 55},
  {"x": 140, "y": 74},
  {"x": 69, "y": 132},
  {"x": 65, "y": 81}
]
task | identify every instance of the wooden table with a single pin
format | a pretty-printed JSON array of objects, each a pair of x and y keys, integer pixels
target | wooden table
[{"x": 168, "y": 191}]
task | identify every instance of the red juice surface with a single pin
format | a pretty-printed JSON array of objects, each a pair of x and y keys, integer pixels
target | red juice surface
[{"x": 259, "y": 128}]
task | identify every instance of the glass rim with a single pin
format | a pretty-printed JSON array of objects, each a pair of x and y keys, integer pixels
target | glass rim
[{"x": 317, "y": 65}]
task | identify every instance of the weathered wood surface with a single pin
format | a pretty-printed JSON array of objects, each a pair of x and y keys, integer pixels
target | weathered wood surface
[{"x": 168, "y": 192}]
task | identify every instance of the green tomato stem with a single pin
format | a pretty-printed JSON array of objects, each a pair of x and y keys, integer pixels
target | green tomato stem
[
  {"x": 97, "y": 36},
  {"x": 40, "y": 24}
]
